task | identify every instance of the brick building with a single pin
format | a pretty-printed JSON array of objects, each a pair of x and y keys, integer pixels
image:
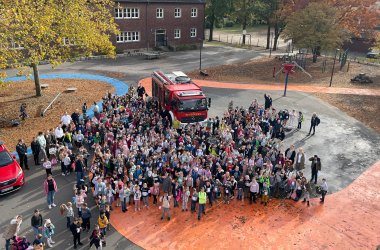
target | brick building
[{"x": 158, "y": 23}]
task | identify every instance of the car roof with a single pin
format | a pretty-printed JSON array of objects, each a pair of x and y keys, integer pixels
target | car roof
[{"x": 2, "y": 146}]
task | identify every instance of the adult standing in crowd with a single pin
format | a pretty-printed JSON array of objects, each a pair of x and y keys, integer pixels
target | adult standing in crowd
[
  {"x": 58, "y": 132},
  {"x": 300, "y": 160},
  {"x": 66, "y": 120},
  {"x": 314, "y": 122},
  {"x": 76, "y": 229},
  {"x": 324, "y": 189},
  {"x": 21, "y": 149},
  {"x": 165, "y": 205},
  {"x": 140, "y": 90},
  {"x": 12, "y": 231},
  {"x": 35, "y": 146},
  {"x": 268, "y": 101},
  {"x": 50, "y": 188},
  {"x": 315, "y": 167},
  {"x": 37, "y": 223},
  {"x": 202, "y": 197},
  {"x": 42, "y": 141}
]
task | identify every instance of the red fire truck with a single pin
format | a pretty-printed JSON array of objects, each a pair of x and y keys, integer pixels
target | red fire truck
[{"x": 180, "y": 97}]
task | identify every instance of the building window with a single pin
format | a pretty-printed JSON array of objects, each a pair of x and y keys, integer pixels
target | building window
[
  {"x": 193, "y": 32},
  {"x": 132, "y": 13},
  {"x": 177, "y": 33},
  {"x": 120, "y": 38},
  {"x": 194, "y": 12},
  {"x": 127, "y": 13},
  {"x": 177, "y": 12},
  {"x": 160, "y": 13},
  {"x": 15, "y": 45},
  {"x": 128, "y": 36},
  {"x": 119, "y": 13},
  {"x": 67, "y": 42}
]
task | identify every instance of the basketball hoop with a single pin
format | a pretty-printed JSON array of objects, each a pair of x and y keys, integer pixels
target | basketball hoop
[{"x": 288, "y": 67}]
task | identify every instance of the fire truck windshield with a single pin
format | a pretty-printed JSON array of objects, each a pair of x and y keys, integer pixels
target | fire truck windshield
[{"x": 193, "y": 104}]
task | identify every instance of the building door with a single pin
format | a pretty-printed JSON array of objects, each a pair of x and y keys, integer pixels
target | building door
[{"x": 160, "y": 38}]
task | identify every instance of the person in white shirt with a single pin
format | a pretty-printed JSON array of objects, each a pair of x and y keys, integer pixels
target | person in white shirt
[
  {"x": 324, "y": 189},
  {"x": 66, "y": 165},
  {"x": 47, "y": 166},
  {"x": 42, "y": 141},
  {"x": 58, "y": 132},
  {"x": 65, "y": 119}
]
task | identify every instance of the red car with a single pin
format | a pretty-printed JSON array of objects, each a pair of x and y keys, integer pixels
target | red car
[{"x": 11, "y": 174}]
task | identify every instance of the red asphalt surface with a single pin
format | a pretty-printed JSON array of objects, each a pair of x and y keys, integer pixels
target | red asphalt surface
[{"x": 349, "y": 219}]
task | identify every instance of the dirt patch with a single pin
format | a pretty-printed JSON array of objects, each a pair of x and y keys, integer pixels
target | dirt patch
[
  {"x": 261, "y": 70},
  {"x": 16, "y": 93},
  {"x": 362, "y": 108}
]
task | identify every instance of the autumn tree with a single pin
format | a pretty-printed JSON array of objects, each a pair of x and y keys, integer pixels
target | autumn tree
[
  {"x": 315, "y": 27},
  {"x": 245, "y": 12},
  {"x": 215, "y": 11},
  {"x": 54, "y": 31}
]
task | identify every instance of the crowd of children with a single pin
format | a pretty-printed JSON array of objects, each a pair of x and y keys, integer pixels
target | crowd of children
[{"x": 139, "y": 159}]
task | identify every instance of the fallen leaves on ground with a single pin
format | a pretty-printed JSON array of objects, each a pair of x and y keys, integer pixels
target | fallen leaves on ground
[{"x": 16, "y": 93}]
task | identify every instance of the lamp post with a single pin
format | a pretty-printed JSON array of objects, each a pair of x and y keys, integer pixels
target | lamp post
[
  {"x": 271, "y": 44},
  {"x": 200, "y": 55},
  {"x": 332, "y": 72}
]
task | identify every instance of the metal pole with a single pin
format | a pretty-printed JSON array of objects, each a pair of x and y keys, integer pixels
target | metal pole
[
  {"x": 200, "y": 56},
  {"x": 286, "y": 82},
  {"x": 270, "y": 47},
  {"x": 332, "y": 72}
]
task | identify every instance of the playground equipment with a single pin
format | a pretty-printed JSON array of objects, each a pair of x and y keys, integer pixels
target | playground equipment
[
  {"x": 361, "y": 78},
  {"x": 288, "y": 68}
]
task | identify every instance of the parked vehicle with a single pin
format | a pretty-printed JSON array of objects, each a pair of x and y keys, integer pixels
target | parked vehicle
[
  {"x": 373, "y": 55},
  {"x": 179, "y": 96},
  {"x": 11, "y": 175}
]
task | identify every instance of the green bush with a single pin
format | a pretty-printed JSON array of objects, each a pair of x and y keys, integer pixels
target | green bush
[
  {"x": 229, "y": 24},
  {"x": 119, "y": 51}
]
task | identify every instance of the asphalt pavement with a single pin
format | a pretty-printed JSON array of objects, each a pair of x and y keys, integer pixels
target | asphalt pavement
[{"x": 345, "y": 145}]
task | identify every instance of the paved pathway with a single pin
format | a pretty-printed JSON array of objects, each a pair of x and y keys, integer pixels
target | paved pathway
[{"x": 280, "y": 87}]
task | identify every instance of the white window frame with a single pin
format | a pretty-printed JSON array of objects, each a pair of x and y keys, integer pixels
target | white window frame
[
  {"x": 177, "y": 33},
  {"x": 128, "y": 37},
  {"x": 67, "y": 41},
  {"x": 120, "y": 37},
  {"x": 159, "y": 13},
  {"x": 194, "y": 12},
  {"x": 193, "y": 32},
  {"x": 132, "y": 13},
  {"x": 119, "y": 13},
  {"x": 177, "y": 13},
  {"x": 15, "y": 45}
]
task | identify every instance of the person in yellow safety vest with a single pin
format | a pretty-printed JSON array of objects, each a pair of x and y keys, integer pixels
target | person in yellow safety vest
[
  {"x": 212, "y": 150},
  {"x": 202, "y": 196},
  {"x": 176, "y": 124}
]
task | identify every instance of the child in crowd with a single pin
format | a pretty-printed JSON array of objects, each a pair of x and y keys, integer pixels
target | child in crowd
[
  {"x": 145, "y": 193},
  {"x": 108, "y": 215},
  {"x": 103, "y": 223},
  {"x": 137, "y": 197},
  {"x": 48, "y": 232},
  {"x": 69, "y": 212},
  {"x": 95, "y": 238},
  {"x": 185, "y": 199},
  {"x": 47, "y": 166},
  {"x": 194, "y": 199}
]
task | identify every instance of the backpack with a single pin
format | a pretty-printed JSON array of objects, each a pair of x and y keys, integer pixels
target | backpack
[{"x": 317, "y": 120}]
